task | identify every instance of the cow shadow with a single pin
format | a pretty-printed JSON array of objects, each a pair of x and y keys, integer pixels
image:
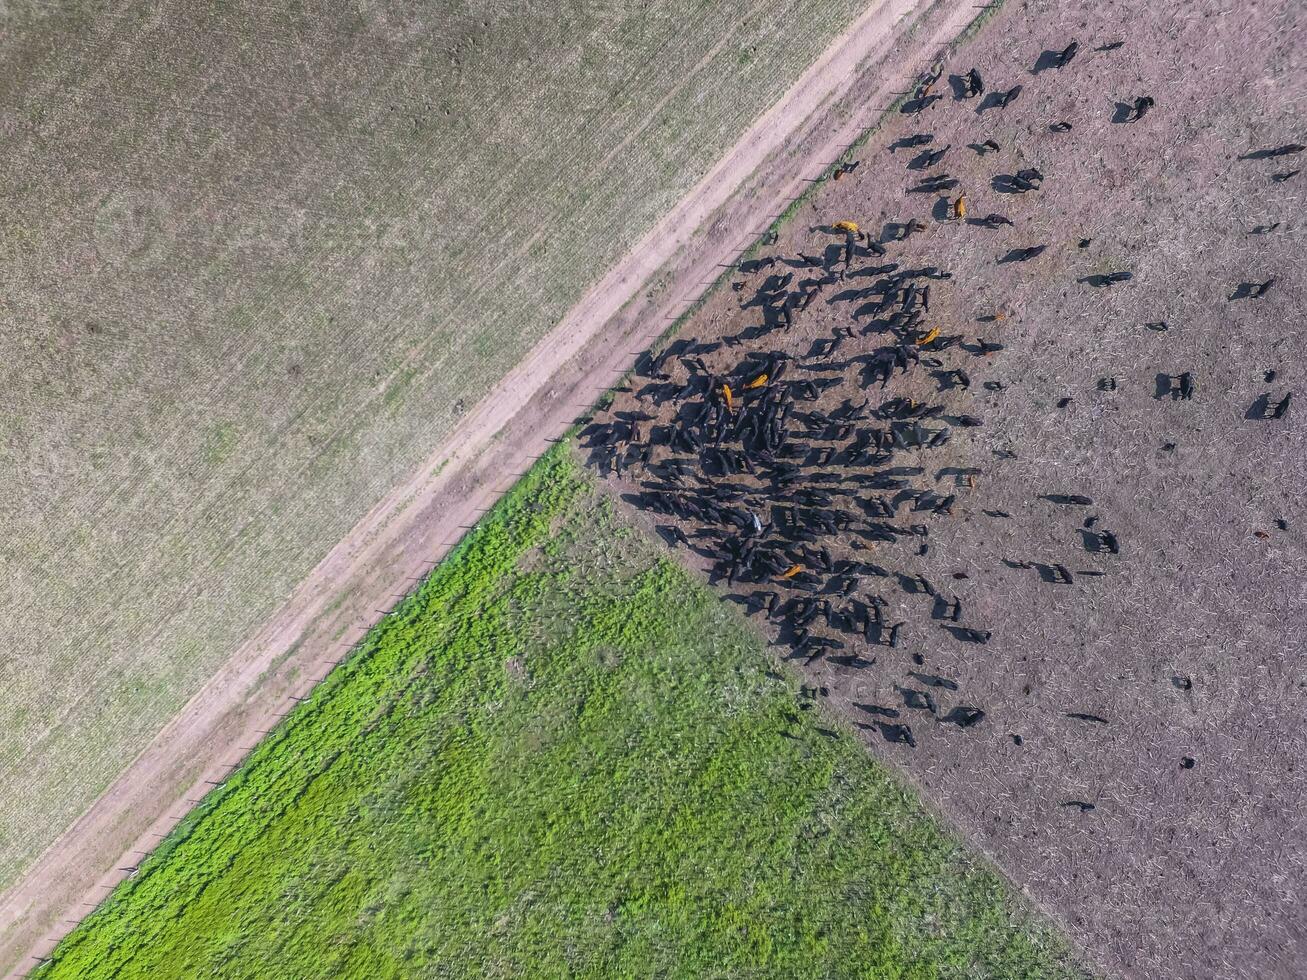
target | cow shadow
[
  {"x": 1122, "y": 112},
  {"x": 1248, "y": 290},
  {"x": 1047, "y": 60},
  {"x": 1269, "y": 153},
  {"x": 914, "y": 106},
  {"x": 1099, "y": 281}
]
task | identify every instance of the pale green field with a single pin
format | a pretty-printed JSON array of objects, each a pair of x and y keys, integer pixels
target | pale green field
[
  {"x": 259, "y": 259},
  {"x": 563, "y": 757}
]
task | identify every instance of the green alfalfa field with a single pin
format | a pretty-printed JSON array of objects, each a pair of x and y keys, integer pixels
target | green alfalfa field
[{"x": 562, "y": 756}]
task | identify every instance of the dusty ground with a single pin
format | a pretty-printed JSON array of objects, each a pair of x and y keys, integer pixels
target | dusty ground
[
  {"x": 1191, "y": 862},
  {"x": 404, "y": 534}
]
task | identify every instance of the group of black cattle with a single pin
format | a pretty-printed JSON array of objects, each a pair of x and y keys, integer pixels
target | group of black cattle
[{"x": 786, "y": 499}]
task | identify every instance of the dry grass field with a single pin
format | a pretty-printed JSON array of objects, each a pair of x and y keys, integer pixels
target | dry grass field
[{"x": 260, "y": 259}]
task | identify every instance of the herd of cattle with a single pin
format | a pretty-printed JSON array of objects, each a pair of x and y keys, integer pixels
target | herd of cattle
[{"x": 800, "y": 478}]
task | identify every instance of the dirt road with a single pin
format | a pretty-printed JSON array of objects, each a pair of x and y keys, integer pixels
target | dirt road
[{"x": 837, "y": 99}]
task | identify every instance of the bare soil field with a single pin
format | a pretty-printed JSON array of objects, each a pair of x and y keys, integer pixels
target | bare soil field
[
  {"x": 1076, "y": 621},
  {"x": 398, "y": 540},
  {"x": 262, "y": 260}
]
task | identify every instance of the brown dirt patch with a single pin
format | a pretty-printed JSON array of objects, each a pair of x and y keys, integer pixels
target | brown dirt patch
[{"x": 1191, "y": 861}]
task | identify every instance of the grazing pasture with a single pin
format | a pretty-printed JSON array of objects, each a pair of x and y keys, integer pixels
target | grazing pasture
[
  {"x": 1001, "y": 439},
  {"x": 561, "y": 756}
]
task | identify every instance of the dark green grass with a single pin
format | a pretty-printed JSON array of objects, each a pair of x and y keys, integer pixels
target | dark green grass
[{"x": 562, "y": 757}]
